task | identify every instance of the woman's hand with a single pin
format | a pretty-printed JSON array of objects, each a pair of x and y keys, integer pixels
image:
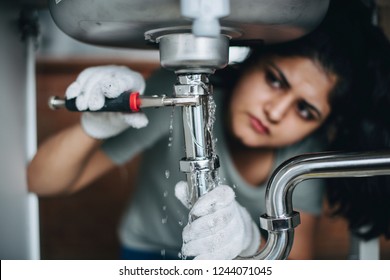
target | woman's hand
[
  {"x": 93, "y": 86},
  {"x": 223, "y": 229}
]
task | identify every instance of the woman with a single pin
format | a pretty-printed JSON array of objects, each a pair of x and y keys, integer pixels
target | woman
[{"x": 282, "y": 101}]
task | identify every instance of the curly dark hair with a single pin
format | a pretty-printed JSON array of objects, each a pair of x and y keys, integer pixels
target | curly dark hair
[{"x": 365, "y": 202}]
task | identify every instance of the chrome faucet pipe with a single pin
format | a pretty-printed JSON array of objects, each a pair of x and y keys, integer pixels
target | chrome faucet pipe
[
  {"x": 280, "y": 219},
  {"x": 200, "y": 163},
  {"x": 193, "y": 59}
]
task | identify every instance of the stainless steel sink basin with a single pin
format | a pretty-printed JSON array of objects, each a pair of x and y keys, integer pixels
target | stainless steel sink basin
[{"x": 138, "y": 23}]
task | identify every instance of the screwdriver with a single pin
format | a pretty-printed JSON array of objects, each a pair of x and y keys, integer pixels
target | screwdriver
[{"x": 127, "y": 102}]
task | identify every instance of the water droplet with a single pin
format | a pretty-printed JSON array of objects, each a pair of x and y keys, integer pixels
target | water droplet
[
  {"x": 167, "y": 174},
  {"x": 164, "y": 220},
  {"x": 170, "y": 138},
  {"x": 163, "y": 252},
  {"x": 180, "y": 222},
  {"x": 164, "y": 208},
  {"x": 179, "y": 255},
  {"x": 165, "y": 194}
]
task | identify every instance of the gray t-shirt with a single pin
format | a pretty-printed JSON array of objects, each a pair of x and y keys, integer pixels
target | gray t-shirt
[{"x": 154, "y": 218}]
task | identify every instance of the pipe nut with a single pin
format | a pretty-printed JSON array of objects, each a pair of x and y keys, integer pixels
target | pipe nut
[
  {"x": 280, "y": 224},
  {"x": 190, "y": 166}
]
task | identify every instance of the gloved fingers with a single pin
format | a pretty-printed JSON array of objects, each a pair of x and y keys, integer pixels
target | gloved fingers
[
  {"x": 95, "y": 83},
  {"x": 136, "y": 120},
  {"x": 216, "y": 256},
  {"x": 93, "y": 100},
  {"x": 223, "y": 245},
  {"x": 113, "y": 86},
  {"x": 181, "y": 193},
  {"x": 227, "y": 253},
  {"x": 221, "y": 229},
  {"x": 82, "y": 102},
  {"x": 217, "y": 198},
  {"x": 121, "y": 79},
  {"x": 96, "y": 98},
  {"x": 73, "y": 90},
  {"x": 76, "y": 88},
  {"x": 109, "y": 119},
  {"x": 253, "y": 241},
  {"x": 90, "y": 95},
  {"x": 225, "y": 219},
  {"x": 91, "y": 90}
]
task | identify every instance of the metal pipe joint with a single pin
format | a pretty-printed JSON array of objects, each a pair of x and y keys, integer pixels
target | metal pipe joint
[
  {"x": 280, "y": 224},
  {"x": 200, "y": 163},
  {"x": 280, "y": 219}
]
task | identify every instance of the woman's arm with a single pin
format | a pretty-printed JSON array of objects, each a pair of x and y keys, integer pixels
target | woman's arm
[{"x": 67, "y": 162}]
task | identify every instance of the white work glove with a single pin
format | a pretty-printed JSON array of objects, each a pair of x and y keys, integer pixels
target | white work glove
[
  {"x": 90, "y": 89},
  {"x": 223, "y": 228}
]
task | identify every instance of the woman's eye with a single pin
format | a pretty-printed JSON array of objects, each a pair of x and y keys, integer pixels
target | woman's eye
[
  {"x": 304, "y": 111},
  {"x": 273, "y": 80}
]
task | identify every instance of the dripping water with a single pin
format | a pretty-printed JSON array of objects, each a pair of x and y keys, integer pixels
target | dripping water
[
  {"x": 170, "y": 137},
  {"x": 164, "y": 220},
  {"x": 167, "y": 174}
]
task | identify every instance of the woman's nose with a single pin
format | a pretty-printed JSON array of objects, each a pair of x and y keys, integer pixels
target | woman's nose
[{"x": 277, "y": 108}]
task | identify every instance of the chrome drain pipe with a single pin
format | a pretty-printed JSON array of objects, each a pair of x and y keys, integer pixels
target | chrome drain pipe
[
  {"x": 200, "y": 163},
  {"x": 280, "y": 219}
]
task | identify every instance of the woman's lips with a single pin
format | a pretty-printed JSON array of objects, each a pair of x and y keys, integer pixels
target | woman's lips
[{"x": 258, "y": 126}]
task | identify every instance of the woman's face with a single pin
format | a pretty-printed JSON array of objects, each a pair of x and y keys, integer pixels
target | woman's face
[{"x": 280, "y": 102}]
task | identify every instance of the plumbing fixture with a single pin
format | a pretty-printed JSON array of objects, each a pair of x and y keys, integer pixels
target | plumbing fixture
[
  {"x": 205, "y": 15},
  {"x": 280, "y": 219},
  {"x": 193, "y": 57},
  {"x": 201, "y": 163},
  {"x": 127, "y": 23}
]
